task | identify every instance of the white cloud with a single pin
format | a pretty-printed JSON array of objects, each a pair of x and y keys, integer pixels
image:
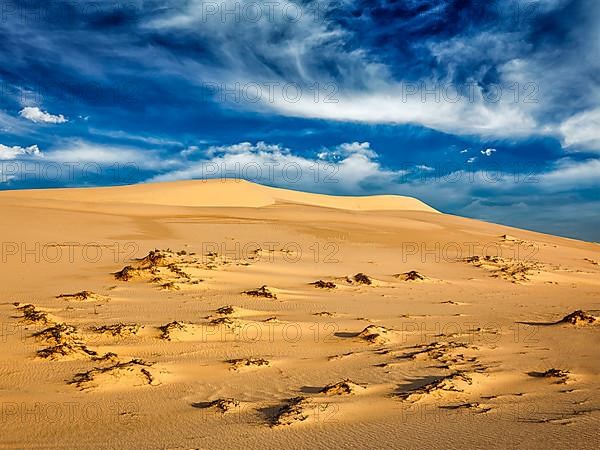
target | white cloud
[
  {"x": 582, "y": 131},
  {"x": 388, "y": 103},
  {"x": 16, "y": 152},
  {"x": 242, "y": 148},
  {"x": 348, "y": 149},
  {"x": 360, "y": 148},
  {"x": 471, "y": 160},
  {"x": 190, "y": 150},
  {"x": 350, "y": 168},
  {"x": 488, "y": 151},
  {"x": 425, "y": 168},
  {"x": 36, "y": 115}
]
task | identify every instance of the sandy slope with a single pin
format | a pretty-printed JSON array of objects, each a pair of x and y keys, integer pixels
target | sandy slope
[{"x": 412, "y": 337}]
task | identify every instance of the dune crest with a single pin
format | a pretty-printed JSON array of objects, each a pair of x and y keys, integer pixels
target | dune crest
[{"x": 221, "y": 193}]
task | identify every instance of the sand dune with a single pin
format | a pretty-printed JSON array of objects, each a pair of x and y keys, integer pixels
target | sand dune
[
  {"x": 220, "y": 193},
  {"x": 229, "y": 315}
]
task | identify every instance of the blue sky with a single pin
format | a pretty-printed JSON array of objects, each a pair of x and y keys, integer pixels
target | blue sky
[{"x": 485, "y": 109}]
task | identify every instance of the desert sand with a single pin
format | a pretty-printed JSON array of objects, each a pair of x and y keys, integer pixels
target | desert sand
[{"x": 225, "y": 314}]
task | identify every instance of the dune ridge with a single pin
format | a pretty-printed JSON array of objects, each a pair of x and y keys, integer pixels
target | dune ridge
[{"x": 220, "y": 193}]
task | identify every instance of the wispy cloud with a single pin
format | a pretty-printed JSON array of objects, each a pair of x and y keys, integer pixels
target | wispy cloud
[
  {"x": 490, "y": 80},
  {"x": 123, "y": 135},
  {"x": 491, "y": 70},
  {"x": 83, "y": 152},
  {"x": 582, "y": 131}
]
